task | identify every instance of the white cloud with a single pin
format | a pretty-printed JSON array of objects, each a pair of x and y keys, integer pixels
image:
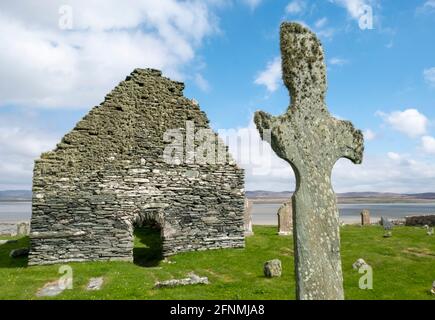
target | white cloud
[
  {"x": 271, "y": 76},
  {"x": 296, "y": 6},
  {"x": 391, "y": 172},
  {"x": 428, "y": 144},
  {"x": 355, "y": 8},
  {"x": 45, "y": 66},
  {"x": 338, "y": 61},
  {"x": 427, "y": 7},
  {"x": 321, "y": 22},
  {"x": 19, "y": 146},
  {"x": 369, "y": 135},
  {"x": 202, "y": 83},
  {"x": 252, "y": 3},
  {"x": 394, "y": 156},
  {"x": 410, "y": 122},
  {"x": 429, "y": 76}
]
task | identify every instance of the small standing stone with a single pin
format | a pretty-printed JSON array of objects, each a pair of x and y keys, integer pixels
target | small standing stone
[
  {"x": 21, "y": 252},
  {"x": 273, "y": 268},
  {"x": 430, "y": 232},
  {"x": 433, "y": 288},
  {"x": 365, "y": 218},
  {"x": 247, "y": 218},
  {"x": 285, "y": 221},
  {"x": 23, "y": 229},
  {"x": 359, "y": 263},
  {"x": 386, "y": 223},
  {"x": 95, "y": 284}
]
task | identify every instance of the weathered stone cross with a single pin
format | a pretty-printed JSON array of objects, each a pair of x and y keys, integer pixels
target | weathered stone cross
[{"x": 308, "y": 138}]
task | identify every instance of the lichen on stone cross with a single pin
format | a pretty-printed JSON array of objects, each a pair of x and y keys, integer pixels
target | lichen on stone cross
[{"x": 311, "y": 141}]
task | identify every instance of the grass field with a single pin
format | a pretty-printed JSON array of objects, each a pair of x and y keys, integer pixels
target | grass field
[{"x": 403, "y": 268}]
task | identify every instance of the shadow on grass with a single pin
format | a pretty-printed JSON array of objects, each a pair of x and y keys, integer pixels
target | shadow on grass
[
  {"x": 148, "y": 250},
  {"x": 6, "y": 261}
]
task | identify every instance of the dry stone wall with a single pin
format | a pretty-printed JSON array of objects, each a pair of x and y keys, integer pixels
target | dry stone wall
[{"x": 108, "y": 175}]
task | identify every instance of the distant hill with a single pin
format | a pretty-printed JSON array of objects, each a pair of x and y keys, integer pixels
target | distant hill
[
  {"x": 262, "y": 194},
  {"x": 26, "y": 195},
  {"x": 16, "y": 195}
]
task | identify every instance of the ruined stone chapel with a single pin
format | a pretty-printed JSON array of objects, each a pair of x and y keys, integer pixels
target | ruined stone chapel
[{"x": 109, "y": 175}]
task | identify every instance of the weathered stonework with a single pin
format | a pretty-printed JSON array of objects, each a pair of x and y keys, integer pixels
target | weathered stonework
[
  {"x": 285, "y": 219},
  {"x": 108, "y": 175},
  {"x": 311, "y": 141}
]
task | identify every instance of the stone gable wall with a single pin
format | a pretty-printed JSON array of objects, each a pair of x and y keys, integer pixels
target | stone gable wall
[{"x": 108, "y": 175}]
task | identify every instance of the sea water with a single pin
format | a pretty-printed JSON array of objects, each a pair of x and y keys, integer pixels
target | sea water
[{"x": 266, "y": 213}]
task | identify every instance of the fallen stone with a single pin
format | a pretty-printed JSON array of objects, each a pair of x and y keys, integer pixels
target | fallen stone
[
  {"x": 17, "y": 253},
  {"x": 192, "y": 280},
  {"x": 50, "y": 289},
  {"x": 359, "y": 263},
  {"x": 8, "y": 241},
  {"x": 273, "y": 268},
  {"x": 95, "y": 284}
]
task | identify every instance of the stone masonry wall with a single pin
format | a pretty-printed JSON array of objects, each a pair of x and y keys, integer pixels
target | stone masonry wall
[
  {"x": 108, "y": 175},
  {"x": 420, "y": 220}
]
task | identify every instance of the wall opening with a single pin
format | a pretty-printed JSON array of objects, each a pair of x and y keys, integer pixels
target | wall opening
[{"x": 148, "y": 245}]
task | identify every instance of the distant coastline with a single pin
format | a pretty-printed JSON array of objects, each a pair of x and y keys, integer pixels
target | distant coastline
[
  {"x": 346, "y": 198},
  {"x": 261, "y": 196}
]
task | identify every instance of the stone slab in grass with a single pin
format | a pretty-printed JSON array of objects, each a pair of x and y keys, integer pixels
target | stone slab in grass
[
  {"x": 50, "y": 289},
  {"x": 193, "y": 279},
  {"x": 95, "y": 284}
]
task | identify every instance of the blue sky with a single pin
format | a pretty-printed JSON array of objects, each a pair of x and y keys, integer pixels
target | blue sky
[{"x": 227, "y": 53}]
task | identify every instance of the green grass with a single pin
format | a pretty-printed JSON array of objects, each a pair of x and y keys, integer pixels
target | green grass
[{"x": 403, "y": 268}]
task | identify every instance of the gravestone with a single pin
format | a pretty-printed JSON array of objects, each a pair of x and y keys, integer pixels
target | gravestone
[
  {"x": 311, "y": 141},
  {"x": 386, "y": 223},
  {"x": 247, "y": 218},
  {"x": 285, "y": 221},
  {"x": 365, "y": 218},
  {"x": 23, "y": 229}
]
